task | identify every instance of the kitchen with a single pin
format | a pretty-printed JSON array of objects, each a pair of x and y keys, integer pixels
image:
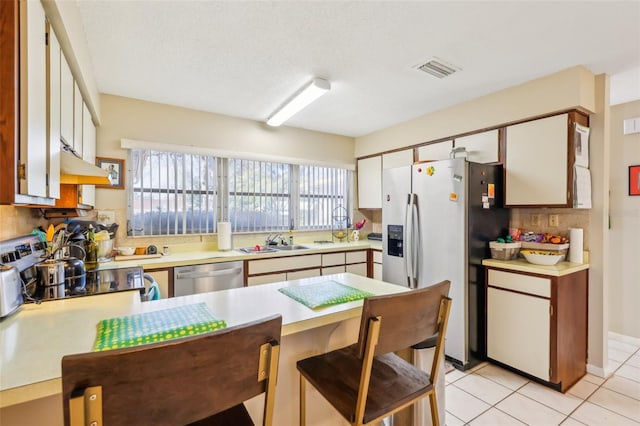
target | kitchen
[{"x": 129, "y": 118}]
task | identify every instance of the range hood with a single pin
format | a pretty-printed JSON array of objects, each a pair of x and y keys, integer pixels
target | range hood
[{"x": 76, "y": 171}]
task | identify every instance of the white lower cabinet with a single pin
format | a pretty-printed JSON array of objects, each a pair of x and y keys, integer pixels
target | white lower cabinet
[
  {"x": 264, "y": 271},
  {"x": 518, "y": 331},
  {"x": 377, "y": 265}
]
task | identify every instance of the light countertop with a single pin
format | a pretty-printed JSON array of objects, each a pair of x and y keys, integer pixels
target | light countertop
[
  {"x": 33, "y": 341},
  {"x": 193, "y": 257},
  {"x": 521, "y": 265}
]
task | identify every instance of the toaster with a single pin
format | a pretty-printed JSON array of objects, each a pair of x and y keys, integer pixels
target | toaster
[{"x": 10, "y": 290}]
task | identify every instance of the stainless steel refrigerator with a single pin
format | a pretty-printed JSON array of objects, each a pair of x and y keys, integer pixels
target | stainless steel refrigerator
[{"x": 438, "y": 218}]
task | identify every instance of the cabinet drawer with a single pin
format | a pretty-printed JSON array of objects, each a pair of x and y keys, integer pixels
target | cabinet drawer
[
  {"x": 283, "y": 264},
  {"x": 333, "y": 259},
  {"x": 266, "y": 279},
  {"x": 520, "y": 282},
  {"x": 306, "y": 273},
  {"x": 356, "y": 256},
  {"x": 333, "y": 270},
  {"x": 357, "y": 268},
  {"x": 377, "y": 256}
]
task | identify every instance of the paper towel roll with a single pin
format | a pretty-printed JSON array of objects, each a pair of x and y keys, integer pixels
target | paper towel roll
[
  {"x": 576, "y": 238},
  {"x": 224, "y": 236}
]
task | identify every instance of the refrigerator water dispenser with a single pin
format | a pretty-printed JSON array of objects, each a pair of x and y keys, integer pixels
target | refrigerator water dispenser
[{"x": 395, "y": 240}]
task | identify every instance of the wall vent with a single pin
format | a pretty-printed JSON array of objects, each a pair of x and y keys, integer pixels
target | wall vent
[{"x": 438, "y": 68}]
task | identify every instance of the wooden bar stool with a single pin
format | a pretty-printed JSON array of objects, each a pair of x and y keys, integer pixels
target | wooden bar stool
[
  {"x": 201, "y": 380},
  {"x": 367, "y": 381}
]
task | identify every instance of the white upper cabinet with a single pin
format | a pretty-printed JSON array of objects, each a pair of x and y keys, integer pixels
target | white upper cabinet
[
  {"x": 536, "y": 165},
  {"x": 53, "y": 125},
  {"x": 66, "y": 102},
  {"x": 88, "y": 153},
  {"x": 77, "y": 119},
  {"x": 397, "y": 159},
  {"x": 435, "y": 151},
  {"x": 33, "y": 100},
  {"x": 370, "y": 183},
  {"x": 480, "y": 147}
]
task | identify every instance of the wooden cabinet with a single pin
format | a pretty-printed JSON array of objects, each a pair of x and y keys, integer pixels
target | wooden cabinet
[
  {"x": 537, "y": 324},
  {"x": 370, "y": 183},
  {"x": 539, "y": 161},
  {"x": 480, "y": 147}
]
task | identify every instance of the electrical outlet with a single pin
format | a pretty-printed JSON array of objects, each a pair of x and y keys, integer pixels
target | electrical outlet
[
  {"x": 535, "y": 220},
  {"x": 106, "y": 217},
  {"x": 553, "y": 220}
]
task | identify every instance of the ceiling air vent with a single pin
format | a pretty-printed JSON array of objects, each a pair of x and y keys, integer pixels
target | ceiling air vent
[{"x": 438, "y": 68}]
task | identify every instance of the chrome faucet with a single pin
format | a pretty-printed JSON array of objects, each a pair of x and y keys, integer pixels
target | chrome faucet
[{"x": 272, "y": 239}]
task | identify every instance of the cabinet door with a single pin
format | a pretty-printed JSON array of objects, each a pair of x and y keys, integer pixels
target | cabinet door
[
  {"x": 370, "y": 183},
  {"x": 88, "y": 153},
  {"x": 435, "y": 151},
  {"x": 480, "y": 147},
  {"x": 397, "y": 159},
  {"x": 78, "y": 103},
  {"x": 518, "y": 328},
  {"x": 66, "y": 102},
  {"x": 53, "y": 116},
  {"x": 266, "y": 279},
  {"x": 377, "y": 271},
  {"x": 333, "y": 270},
  {"x": 305, "y": 273},
  {"x": 358, "y": 269},
  {"x": 536, "y": 163},
  {"x": 33, "y": 99}
]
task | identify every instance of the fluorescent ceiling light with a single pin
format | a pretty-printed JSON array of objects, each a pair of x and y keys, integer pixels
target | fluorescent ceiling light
[{"x": 312, "y": 91}]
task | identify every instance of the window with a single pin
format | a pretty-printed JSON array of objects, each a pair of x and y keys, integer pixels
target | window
[
  {"x": 178, "y": 194},
  {"x": 172, "y": 193}
]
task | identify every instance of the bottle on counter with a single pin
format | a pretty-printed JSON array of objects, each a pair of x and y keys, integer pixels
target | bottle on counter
[{"x": 91, "y": 249}]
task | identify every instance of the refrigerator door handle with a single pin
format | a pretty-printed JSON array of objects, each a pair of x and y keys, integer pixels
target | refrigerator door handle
[
  {"x": 410, "y": 242},
  {"x": 415, "y": 240},
  {"x": 406, "y": 241}
]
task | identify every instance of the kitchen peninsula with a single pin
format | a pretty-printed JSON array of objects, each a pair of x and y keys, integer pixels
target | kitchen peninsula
[{"x": 34, "y": 340}]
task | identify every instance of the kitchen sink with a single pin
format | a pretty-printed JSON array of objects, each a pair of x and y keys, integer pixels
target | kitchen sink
[
  {"x": 292, "y": 247},
  {"x": 252, "y": 250}
]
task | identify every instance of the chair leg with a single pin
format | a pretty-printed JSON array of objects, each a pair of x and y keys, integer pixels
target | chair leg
[
  {"x": 303, "y": 402},
  {"x": 435, "y": 417}
]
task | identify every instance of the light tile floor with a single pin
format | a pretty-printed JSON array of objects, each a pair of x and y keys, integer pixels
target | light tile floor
[{"x": 490, "y": 395}]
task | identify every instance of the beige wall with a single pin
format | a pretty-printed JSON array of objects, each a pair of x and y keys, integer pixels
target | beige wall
[
  {"x": 571, "y": 88},
  {"x": 125, "y": 118},
  {"x": 624, "y": 284}
]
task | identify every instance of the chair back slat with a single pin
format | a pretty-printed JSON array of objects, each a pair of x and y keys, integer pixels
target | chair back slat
[
  {"x": 407, "y": 318},
  {"x": 174, "y": 382}
]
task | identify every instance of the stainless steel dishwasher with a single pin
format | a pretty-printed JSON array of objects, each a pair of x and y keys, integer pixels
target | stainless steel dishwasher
[{"x": 207, "y": 277}]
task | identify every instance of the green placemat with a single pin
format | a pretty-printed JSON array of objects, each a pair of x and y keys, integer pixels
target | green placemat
[
  {"x": 324, "y": 294},
  {"x": 157, "y": 326}
]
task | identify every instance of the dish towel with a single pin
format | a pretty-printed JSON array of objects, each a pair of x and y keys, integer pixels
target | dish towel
[
  {"x": 324, "y": 294},
  {"x": 157, "y": 326}
]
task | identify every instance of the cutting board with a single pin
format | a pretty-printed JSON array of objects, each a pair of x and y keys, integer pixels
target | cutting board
[{"x": 138, "y": 257}]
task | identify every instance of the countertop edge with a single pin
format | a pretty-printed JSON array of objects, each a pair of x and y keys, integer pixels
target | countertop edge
[{"x": 520, "y": 265}]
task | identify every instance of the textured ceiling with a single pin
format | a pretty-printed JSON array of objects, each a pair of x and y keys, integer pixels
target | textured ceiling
[{"x": 244, "y": 59}]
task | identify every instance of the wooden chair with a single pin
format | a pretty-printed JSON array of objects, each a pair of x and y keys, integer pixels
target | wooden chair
[
  {"x": 367, "y": 381},
  {"x": 201, "y": 380}
]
